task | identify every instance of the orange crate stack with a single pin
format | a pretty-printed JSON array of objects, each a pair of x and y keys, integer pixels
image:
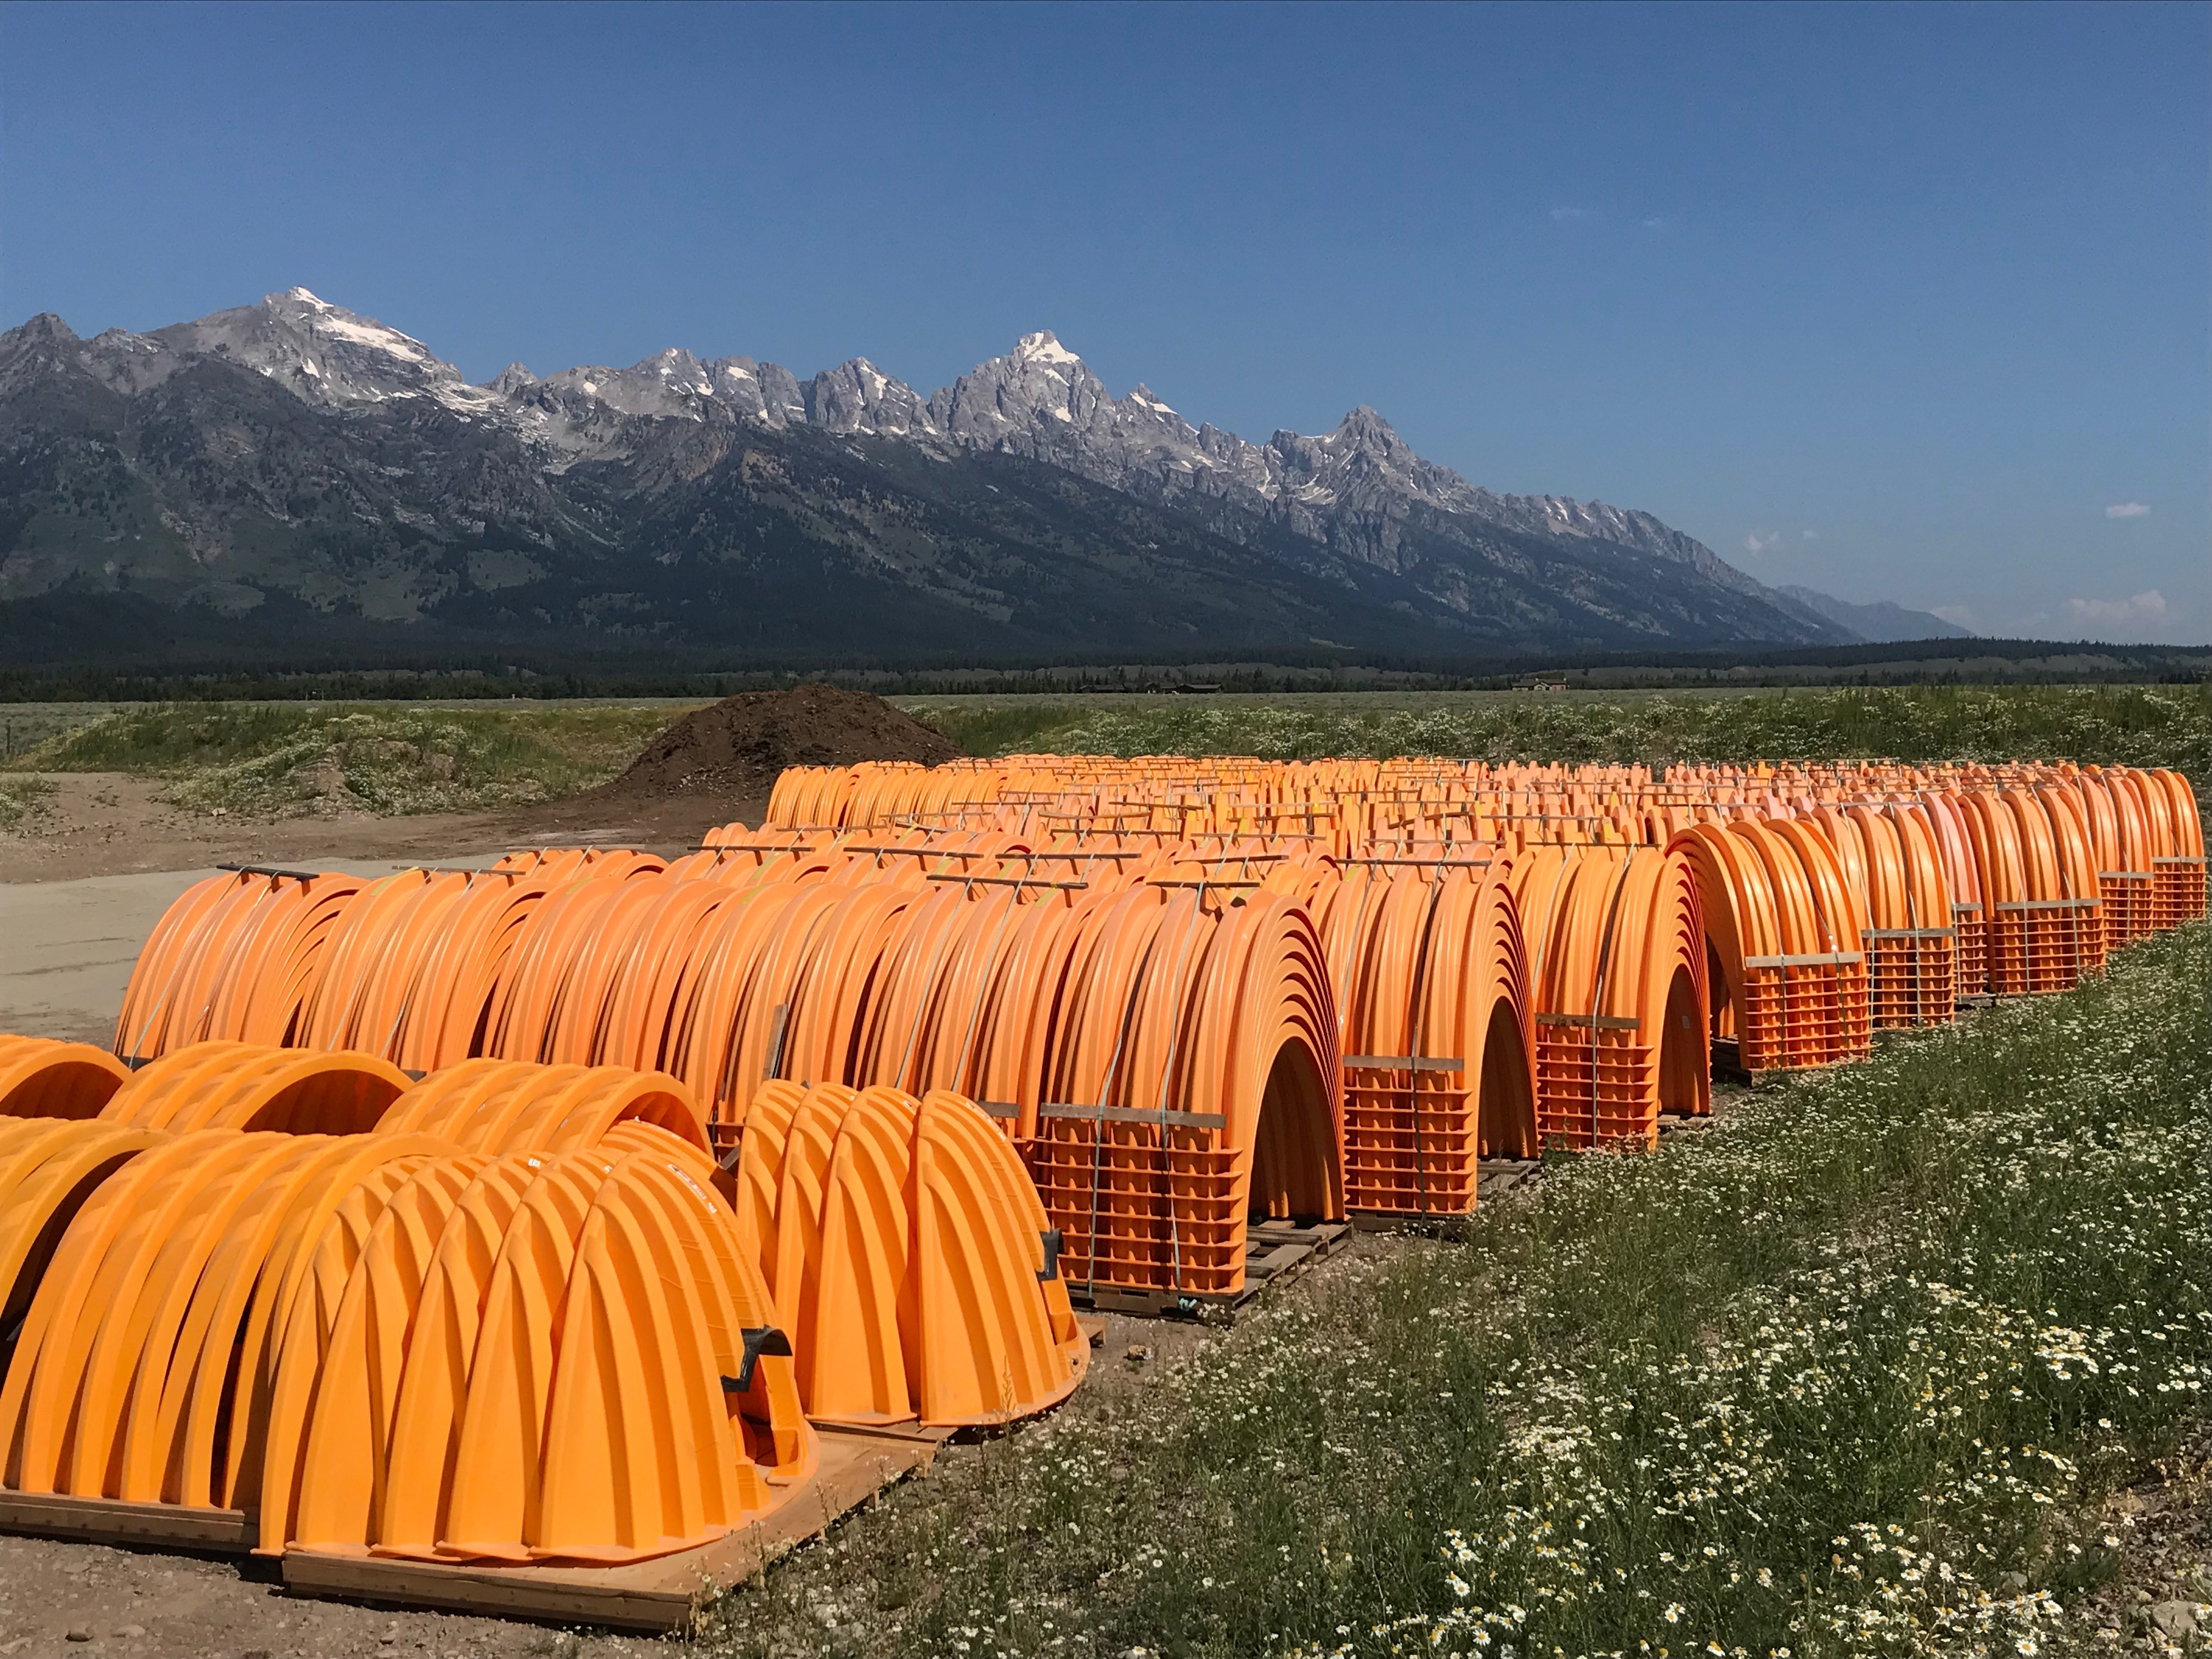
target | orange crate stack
[
  {"x": 1126, "y": 1220},
  {"x": 1594, "y": 1088},
  {"x": 2177, "y": 891},
  {"x": 2126, "y": 894},
  {"x": 1912, "y": 977},
  {"x": 1409, "y": 1142},
  {"x": 1804, "y": 1014},
  {"x": 2065, "y": 943}
]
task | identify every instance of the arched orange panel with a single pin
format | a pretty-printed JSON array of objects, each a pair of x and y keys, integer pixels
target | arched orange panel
[
  {"x": 42, "y": 1078},
  {"x": 508, "y": 1106},
  {"x": 242, "y": 1086}
]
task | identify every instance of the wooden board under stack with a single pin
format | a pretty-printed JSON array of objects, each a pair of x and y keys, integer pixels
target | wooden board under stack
[{"x": 665, "y": 1594}]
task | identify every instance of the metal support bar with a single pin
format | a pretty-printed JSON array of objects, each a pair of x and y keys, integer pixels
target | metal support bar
[
  {"x": 1128, "y": 1114},
  {"x": 1431, "y": 864},
  {"x": 1809, "y": 959},
  {"x": 1001, "y": 881},
  {"x": 1593, "y": 1022},
  {"x": 1400, "y": 1063}
]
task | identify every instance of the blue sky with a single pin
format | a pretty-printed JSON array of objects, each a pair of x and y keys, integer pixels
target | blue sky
[{"x": 1898, "y": 301}]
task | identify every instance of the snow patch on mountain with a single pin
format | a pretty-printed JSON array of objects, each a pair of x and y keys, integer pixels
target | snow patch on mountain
[{"x": 1350, "y": 488}]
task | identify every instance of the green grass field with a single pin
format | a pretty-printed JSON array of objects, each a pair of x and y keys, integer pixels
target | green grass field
[
  {"x": 1850, "y": 1373},
  {"x": 2139, "y": 725},
  {"x": 289, "y": 758}
]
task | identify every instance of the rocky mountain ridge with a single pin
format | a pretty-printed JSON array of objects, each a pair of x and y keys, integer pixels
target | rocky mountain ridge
[{"x": 295, "y": 447}]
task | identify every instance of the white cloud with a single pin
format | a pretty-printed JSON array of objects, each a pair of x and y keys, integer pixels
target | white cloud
[
  {"x": 1810, "y": 535},
  {"x": 2143, "y": 610},
  {"x": 2127, "y": 510},
  {"x": 1755, "y": 542},
  {"x": 1654, "y": 223},
  {"x": 1560, "y": 215}
]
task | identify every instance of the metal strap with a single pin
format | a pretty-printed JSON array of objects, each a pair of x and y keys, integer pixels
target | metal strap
[
  {"x": 1908, "y": 932},
  {"x": 778, "y": 1027},
  {"x": 1400, "y": 1063},
  {"x": 1087, "y": 1113},
  {"x": 915, "y": 852},
  {"x": 2048, "y": 904},
  {"x": 1002, "y": 881},
  {"x": 1431, "y": 863}
]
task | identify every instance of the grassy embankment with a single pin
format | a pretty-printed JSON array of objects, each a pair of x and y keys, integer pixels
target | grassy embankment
[
  {"x": 21, "y": 800},
  {"x": 1853, "y": 1372},
  {"x": 283, "y": 759},
  {"x": 2139, "y": 725},
  {"x": 290, "y": 759}
]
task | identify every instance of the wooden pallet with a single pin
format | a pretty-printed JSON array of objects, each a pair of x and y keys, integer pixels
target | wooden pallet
[
  {"x": 111, "y": 1521},
  {"x": 1498, "y": 1176},
  {"x": 1275, "y": 1252},
  {"x": 661, "y": 1595}
]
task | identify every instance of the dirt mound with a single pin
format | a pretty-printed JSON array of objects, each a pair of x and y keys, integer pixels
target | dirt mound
[{"x": 733, "y": 750}]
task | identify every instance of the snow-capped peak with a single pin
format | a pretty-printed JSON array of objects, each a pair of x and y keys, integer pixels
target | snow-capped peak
[
  {"x": 302, "y": 295},
  {"x": 1043, "y": 347}
]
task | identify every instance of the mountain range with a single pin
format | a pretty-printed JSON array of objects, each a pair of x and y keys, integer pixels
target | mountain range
[{"x": 294, "y": 467}]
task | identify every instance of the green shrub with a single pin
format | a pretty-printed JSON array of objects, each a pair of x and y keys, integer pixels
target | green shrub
[
  {"x": 283, "y": 760},
  {"x": 22, "y": 801}
]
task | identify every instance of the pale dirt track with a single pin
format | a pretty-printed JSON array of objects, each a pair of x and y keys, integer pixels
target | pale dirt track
[
  {"x": 105, "y": 823},
  {"x": 174, "y": 1607},
  {"x": 70, "y": 945}
]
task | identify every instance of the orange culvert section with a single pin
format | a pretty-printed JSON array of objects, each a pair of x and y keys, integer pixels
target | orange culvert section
[
  {"x": 40, "y": 1077},
  {"x": 909, "y": 1256},
  {"x": 386, "y": 1342},
  {"x": 1436, "y": 1028},
  {"x": 1187, "y": 1084},
  {"x": 512, "y": 1106},
  {"x": 560, "y": 1356},
  {"x": 246, "y": 1085},
  {"x": 233, "y": 958},
  {"x": 1789, "y": 942},
  {"x": 1618, "y": 975}
]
